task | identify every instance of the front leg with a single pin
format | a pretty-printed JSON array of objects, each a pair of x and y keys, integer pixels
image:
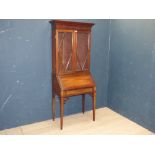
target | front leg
[
  {"x": 53, "y": 106},
  {"x": 94, "y": 104},
  {"x": 61, "y": 112}
]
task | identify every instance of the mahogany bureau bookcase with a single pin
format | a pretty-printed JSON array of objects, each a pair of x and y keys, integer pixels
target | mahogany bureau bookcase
[{"x": 71, "y": 42}]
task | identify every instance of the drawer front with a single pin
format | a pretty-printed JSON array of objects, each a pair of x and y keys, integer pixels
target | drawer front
[{"x": 78, "y": 92}]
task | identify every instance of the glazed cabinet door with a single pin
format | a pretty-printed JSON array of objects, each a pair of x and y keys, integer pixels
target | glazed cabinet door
[
  {"x": 64, "y": 52},
  {"x": 83, "y": 51}
]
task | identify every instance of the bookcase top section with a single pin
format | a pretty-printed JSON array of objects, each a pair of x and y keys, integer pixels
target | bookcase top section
[{"x": 70, "y": 23}]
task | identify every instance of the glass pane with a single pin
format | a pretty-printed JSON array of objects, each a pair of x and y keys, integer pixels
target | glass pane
[
  {"x": 82, "y": 51},
  {"x": 64, "y": 52}
]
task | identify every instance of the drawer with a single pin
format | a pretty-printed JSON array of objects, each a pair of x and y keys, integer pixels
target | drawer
[{"x": 77, "y": 92}]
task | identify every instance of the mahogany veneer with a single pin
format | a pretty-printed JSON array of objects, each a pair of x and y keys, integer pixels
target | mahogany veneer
[{"x": 71, "y": 42}]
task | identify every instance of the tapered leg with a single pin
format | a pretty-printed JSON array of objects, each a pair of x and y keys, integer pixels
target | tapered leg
[
  {"x": 53, "y": 106},
  {"x": 61, "y": 112},
  {"x": 83, "y": 103},
  {"x": 94, "y": 104}
]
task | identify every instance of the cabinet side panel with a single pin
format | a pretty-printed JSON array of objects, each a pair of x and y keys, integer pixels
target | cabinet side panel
[
  {"x": 89, "y": 50},
  {"x": 53, "y": 51}
]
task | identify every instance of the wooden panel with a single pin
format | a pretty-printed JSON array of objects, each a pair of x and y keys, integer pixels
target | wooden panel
[
  {"x": 65, "y": 27},
  {"x": 69, "y": 25},
  {"x": 76, "y": 81},
  {"x": 53, "y": 52},
  {"x": 78, "y": 92},
  {"x": 55, "y": 85}
]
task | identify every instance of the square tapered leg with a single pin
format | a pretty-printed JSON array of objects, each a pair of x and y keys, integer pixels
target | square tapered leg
[
  {"x": 53, "y": 106},
  {"x": 94, "y": 104},
  {"x": 61, "y": 112}
]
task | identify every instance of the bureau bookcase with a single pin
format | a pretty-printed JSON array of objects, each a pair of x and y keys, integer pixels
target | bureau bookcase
[{"x": 71, "y": 76}]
